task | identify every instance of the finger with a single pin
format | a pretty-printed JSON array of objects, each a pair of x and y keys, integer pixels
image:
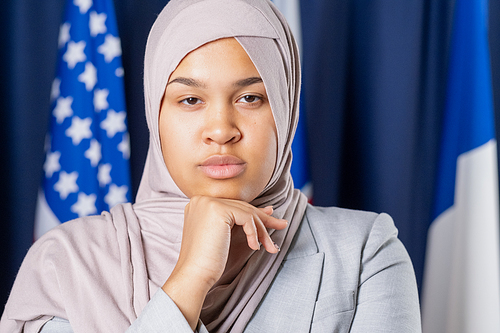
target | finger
[
  {"x": 249, "y": 228},
  {"x": 254, "y": 229},
  {"x": 262, "y": 213},
  {"x": 262, "y": 222},
  {"x": 265, "y": 238},
  {"x": 268, "y": 210},
  {"x": 243, "y": 217},
  {"x": 273, "y": 222},
  {"x": 255, "y": 222}
]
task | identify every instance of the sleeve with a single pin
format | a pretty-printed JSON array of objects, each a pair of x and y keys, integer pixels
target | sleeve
[
  {"x": 387, "y": 298},
  {"x": 162, "y": 315},
  {"x": 57, "y": 325}
]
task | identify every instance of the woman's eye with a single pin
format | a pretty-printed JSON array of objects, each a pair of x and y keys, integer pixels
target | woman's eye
[
  {"x": 249, "y": 99},
  {"x": 191, "y": 101}
]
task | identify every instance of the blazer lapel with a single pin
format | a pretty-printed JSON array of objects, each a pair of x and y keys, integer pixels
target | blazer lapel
[{"x": 289, "y": 303}]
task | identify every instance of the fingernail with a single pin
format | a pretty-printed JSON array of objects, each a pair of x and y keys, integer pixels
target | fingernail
[{"x": 276, "y": 246}]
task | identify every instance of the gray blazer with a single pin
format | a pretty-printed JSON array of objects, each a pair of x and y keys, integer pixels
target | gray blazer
[{"x": 346, "y": 271}]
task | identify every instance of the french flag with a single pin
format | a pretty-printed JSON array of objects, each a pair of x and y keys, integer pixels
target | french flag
[{"x": 461, "y": 279}]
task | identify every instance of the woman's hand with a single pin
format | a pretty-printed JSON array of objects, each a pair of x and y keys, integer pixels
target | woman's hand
[
  {"x": 207, "y": 233},
  {"x": 205, "y": 245}
]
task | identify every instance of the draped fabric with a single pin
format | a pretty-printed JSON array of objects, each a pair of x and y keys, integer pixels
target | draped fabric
[
  {"x": 373, "y": 90},
  {"x": 181, "y": 27}
]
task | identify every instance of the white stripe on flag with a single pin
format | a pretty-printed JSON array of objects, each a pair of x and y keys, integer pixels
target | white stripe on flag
[
  {"x": 45, "y": 218},
  {"x": 461, "y": 291}
]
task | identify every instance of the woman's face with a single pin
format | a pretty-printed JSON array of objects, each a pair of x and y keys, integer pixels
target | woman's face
[{"x": 217, "y": 131}]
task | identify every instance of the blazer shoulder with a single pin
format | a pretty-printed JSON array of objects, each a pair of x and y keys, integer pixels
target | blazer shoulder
[
  {"x": 337, "y": 214},
  {"x": 347, "y": 225}
]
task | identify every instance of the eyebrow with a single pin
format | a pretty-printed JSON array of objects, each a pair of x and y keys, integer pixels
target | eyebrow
[
  {"x": 198, "y": 84},
  {"x": 247, "y": 82},
  {"x": 188, "y": 82}
]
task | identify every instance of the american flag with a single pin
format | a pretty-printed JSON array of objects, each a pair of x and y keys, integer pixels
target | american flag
[{"x": 86, "y": 169}]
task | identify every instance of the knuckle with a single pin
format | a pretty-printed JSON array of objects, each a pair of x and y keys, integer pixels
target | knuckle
[{"x": 211, "y": 204}]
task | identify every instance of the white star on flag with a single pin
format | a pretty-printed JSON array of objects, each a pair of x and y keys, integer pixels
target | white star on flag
[
  {"x": 94, "y": 152},
  {"x": 63, "y": 109},
  {"x": 103, "y": 174},
  {"x": 119, "y": 72},
  {"x": 55, "y": 91},
  {"x": 116, "y": 195},
  {"x": 64, "y": 36},
  {"x": 101, "y": 99},
  {"x": 74, "y": 54},
  {"x": 97, "y": 23},
  {"x": 85, "y": 205},
  {"x": 51, "y": 164},
  {"x": 84, "y": 5},
  {"x": 124, "y": 146},
  {"x": 66, "y": 184},
  {"x": 79, "y": 130},
  {"x": 111, "y": 48},
  {"x": 114, "y": 123},
  {"x": 89, "y": 76}
]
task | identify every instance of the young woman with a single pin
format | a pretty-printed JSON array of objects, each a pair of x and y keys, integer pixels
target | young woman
[{"x": 218, "y": 240}]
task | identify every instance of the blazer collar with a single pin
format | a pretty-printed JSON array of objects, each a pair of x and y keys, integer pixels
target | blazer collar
[{"x": 290, "y": 300}]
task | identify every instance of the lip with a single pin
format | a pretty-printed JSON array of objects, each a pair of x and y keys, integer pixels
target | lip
[{"x": 222, "y": 166}]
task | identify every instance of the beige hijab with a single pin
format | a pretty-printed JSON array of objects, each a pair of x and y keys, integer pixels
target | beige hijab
[
  {"x": 99, "y": 272},
  {"x": 183, "y": 26}
]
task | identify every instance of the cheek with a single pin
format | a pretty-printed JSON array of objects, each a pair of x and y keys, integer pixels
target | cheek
[
  {"x": 267, "y": 148},
  {"x": 172, "y": 140},
  {"x": 272, "y": 153},
  {"x": 177, "y": 139}
]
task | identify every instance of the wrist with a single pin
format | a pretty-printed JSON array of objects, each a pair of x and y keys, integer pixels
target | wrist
[{"x": 188, "y": 292}]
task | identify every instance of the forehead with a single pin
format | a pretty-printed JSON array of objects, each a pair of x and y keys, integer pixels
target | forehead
[{"x": 215, "y": 59}]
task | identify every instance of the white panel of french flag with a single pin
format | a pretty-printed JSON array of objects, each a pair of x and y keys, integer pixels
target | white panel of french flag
[{"x": 461, "y": 290}]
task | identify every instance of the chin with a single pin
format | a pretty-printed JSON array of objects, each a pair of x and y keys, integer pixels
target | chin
[
  {"x": 229, "y": 192},
  {"x": 229, "y": 195}
]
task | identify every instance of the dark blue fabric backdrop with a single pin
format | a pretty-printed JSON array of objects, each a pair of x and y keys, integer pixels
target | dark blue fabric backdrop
[{"x": 374, "y": 80}]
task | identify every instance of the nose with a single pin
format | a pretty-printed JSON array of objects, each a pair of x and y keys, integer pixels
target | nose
[{"x": 220, "y": 125}]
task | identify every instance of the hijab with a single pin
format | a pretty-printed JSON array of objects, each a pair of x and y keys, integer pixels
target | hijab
[
  {"x": 107, "y": 267},
  {"x": 183, "y": 26}
]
